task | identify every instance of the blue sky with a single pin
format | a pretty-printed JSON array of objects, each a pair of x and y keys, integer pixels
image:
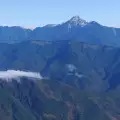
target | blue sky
[{"x": 32, "y": 13}]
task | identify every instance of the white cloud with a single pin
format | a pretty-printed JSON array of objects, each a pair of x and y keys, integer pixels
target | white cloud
[
  {"x": 71, "y": 67},
  {"x": 16, "y": 74},
  {"x": 79, "y": 75}
]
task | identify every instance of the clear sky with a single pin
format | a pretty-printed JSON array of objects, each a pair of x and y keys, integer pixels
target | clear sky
[{"x": 32, "y": 13}]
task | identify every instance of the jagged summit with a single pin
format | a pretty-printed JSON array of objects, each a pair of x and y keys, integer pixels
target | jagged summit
[{"x": 76, "y": 20}]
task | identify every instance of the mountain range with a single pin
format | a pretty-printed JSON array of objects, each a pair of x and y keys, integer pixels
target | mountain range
[
  {"x": 75, "y": 28},
  {"x": 78, "y": 72},
  {"x": 80, "y": 81}
]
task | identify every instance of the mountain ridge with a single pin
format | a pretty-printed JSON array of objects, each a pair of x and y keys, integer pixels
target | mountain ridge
[
  {"x": 74, "y": 19},
  {"x": 73, "y": 29},
  {"x": 80, "y": 79}
]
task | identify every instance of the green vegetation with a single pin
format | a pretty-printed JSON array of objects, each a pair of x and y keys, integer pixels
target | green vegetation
[{"x": 90, "y": 91}]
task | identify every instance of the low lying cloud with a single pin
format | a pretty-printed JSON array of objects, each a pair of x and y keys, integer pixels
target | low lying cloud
[
  {"x": 79, "y": 75},
  {"x": 71, "y": 67},
  {"x": 15, "y": 74}
]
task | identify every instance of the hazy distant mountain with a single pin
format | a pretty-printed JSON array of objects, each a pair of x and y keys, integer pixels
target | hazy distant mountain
[
  {"x": 78, "y": 29},
  {"x": 74, "y": 29},
  {"x": 13, "y": 34}
]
